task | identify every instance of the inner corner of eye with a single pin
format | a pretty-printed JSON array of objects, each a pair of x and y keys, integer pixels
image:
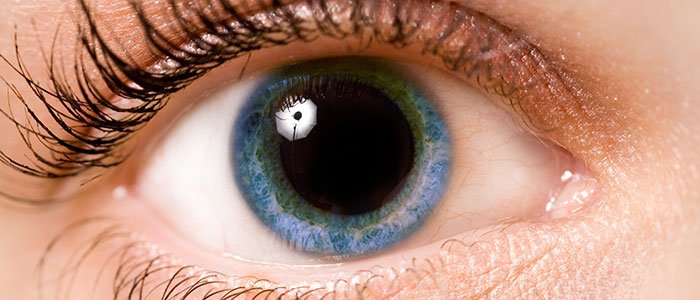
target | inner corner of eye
[{"x": 342, "y": 158}]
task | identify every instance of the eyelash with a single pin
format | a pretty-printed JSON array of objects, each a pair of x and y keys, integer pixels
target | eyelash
[
  {"x": 96, "y": 127},
  {"x": 143, "y": 271}
]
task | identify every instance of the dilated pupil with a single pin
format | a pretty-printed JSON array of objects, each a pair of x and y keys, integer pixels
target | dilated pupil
[{"x": 357, "y": 155}]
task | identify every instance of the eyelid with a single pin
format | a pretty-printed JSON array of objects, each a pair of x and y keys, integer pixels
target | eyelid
[{"x": 508, "y": 259}]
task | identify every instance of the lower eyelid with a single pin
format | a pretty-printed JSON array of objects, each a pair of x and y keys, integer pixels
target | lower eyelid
[
  {"x": 508, "y": 260},
  {"x": 500, "y": 260}
]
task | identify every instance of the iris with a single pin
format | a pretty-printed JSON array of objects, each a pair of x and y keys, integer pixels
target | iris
[{"x": 340, "y": 157}]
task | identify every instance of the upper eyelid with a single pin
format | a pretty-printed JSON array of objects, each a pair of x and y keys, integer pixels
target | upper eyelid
[{"x": 484, "y": 42}]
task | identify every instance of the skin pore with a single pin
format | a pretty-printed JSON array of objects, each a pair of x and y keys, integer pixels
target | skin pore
[{"x": 636, "y": 60}]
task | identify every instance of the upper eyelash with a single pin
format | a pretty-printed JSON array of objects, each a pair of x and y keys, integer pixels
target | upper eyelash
[{"x": 87, "y": 114}]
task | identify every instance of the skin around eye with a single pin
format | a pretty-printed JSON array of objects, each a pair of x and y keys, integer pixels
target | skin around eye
[
  {"x": 639, "y": 225},
  {"x": 500, "y": 172}
]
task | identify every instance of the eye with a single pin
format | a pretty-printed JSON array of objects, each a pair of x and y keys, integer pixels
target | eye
[
  {"x": 458, "y": 122},
  {"x": 342, "y": 158}
]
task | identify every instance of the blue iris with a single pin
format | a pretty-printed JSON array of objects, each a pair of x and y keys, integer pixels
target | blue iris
[{"x": 307, "y": 228}]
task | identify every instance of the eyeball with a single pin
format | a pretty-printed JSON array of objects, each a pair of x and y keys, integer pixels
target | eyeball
[{"x": 341, "y": 159}]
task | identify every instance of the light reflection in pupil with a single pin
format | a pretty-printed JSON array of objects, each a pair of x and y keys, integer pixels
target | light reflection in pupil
[
  {"x": 289, "y": 121},
  {"x": 357, "y": 155}
]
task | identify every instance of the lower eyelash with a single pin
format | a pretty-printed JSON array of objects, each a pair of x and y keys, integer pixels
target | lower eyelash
[{"x": 138, "y": 269}]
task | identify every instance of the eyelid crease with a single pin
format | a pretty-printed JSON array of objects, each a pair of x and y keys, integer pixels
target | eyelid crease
[{"x": 468, "y": 42}]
